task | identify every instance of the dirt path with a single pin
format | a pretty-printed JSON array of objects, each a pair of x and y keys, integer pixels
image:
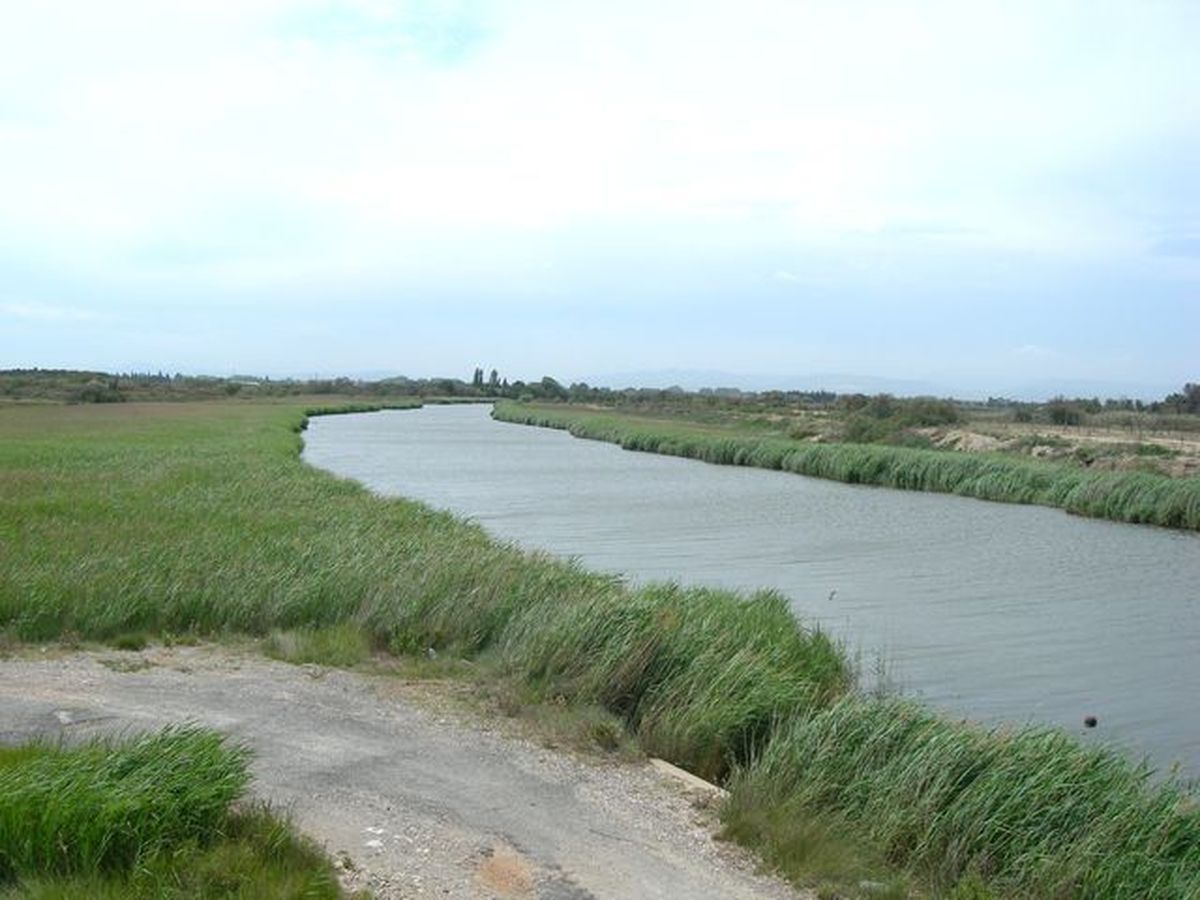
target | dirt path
[{"x": 425, "y": 803}]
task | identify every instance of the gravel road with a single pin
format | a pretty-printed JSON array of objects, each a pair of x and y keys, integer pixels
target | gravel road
[{"x": 424, "y": 799}]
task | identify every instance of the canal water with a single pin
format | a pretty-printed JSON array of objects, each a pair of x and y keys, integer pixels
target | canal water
[{"x": 991, "y": 611}]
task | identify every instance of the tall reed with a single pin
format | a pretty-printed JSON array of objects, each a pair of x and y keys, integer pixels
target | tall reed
[
  {"x": 1031, "y": 811},
  {"x": 701, "y": 675}
]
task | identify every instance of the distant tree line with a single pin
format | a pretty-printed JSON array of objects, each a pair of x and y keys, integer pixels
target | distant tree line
[
  {"x": 1066, "y": 411},
  {"x": 1186, "y": 401},
  {"x": 868, "y": 413}
]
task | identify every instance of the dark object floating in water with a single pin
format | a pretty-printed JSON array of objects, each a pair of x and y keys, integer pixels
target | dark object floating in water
[{"x": 1090, "y": 721}]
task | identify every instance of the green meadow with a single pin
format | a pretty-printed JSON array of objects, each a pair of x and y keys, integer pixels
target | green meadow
[
  {"x": 126, "y": 522},
  {"x": 1126, "y": 496}
]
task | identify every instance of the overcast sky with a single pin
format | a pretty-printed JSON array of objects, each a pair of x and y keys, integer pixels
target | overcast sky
[{"x": 970, "y": 194}]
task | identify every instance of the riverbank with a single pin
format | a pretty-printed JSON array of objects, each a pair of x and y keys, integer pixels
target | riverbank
[
  {"x": 178, "y": 520},
  {"x": 1123, "y": 496}
]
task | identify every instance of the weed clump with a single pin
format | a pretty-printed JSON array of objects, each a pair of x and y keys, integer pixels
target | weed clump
[
  {"x": 133, "y": 641},
  {"x": 106, "y": 806},
  {"x": 345, "y": 645},
  {"x": 156, "y": 816}
]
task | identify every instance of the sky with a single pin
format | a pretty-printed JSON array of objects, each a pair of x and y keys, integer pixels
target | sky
[{"x": 981, "y": 196}]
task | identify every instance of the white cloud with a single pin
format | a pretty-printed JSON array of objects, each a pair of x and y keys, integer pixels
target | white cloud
[
  {"x": 806, "y": 120},
  {"x": 1035, "y": 351}
]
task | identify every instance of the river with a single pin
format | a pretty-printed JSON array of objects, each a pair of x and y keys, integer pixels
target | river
[{"x": 991, "y": 611}]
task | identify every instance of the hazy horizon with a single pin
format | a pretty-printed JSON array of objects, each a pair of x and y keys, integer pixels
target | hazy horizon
[{"x": 975, "y": 197}]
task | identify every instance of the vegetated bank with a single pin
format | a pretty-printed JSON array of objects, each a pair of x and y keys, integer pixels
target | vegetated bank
[
  {"x": 1140, "y": 497},
  {"x": 200, "y": 519}
]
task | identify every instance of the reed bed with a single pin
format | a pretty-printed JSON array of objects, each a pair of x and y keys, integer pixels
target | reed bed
[
  {"x": 1136, "y": 497},
  {"x": 701, "y": 676},
  {"x": 201, "y": 520}
]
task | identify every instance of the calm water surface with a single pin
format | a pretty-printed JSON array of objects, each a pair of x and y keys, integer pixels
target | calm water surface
[{"x": 994, "y": 611}]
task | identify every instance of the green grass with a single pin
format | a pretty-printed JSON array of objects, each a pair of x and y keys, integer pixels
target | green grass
[
  {"x": 344, "y": 645},
  {"x": 1135, "y": 496},
  {"x": 199, "y": 520},
  {"x": 257, "y": 855},
  {"x": 152, "y": 816},
  {"x": 1030, "y": 812},
  {"x": 819, "y": 851},
  {"x": 105, "y": 806}
]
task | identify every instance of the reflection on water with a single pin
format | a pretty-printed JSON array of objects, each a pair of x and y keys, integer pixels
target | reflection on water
[{"x": 994, "y": 611}]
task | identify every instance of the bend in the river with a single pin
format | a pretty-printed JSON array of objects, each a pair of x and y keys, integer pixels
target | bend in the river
[{"x": 993, "y": 611}]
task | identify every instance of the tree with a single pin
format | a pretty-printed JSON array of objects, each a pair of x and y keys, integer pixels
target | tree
[
  {"x": 552, "y": 389},
  {"x": 477, "y": 378},
  {"x": 1063, "y": 413}
]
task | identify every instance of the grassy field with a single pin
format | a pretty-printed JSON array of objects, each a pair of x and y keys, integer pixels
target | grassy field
[
  {"x": 121, "y": 521},
  {"x": 150, "y": 817},
  {"x": 1123, "y": 496}
]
